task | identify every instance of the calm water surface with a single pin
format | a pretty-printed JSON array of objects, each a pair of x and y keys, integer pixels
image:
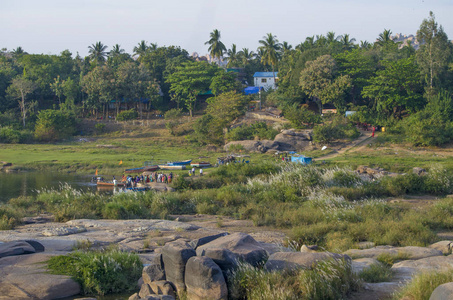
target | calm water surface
[{"x": 13, "y": 185}]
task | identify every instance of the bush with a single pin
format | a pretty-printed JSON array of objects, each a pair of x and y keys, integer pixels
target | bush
[
  {"x": 257, "y": 130},
  {"x": 127, "y": 115},
  {"x": 298, "y": 116},
  {"x": 100, "y": 273},
  {"x": 9, "y": 135},
  {"x": 99, "y": 127},
  {"x": 173, "y": 119},
  {"x": 53, "y": 125},
  {"x": 339, "y": 128},
  {"x": 376, "y": 273}
]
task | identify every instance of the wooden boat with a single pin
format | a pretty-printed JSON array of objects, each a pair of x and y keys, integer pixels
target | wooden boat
[
  {"x": 142, "y": 169},
  {"x": 201, "y": 164},
  {"x": 180, "y": 163},
  {"x": 172, "y": 167},
  {"x": 109, "y": 184}
]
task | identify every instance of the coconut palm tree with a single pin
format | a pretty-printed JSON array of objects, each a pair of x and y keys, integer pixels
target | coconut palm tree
[
  {"x": 271, "y": 48},
  {"x": 331, "y": 37},
  {"x": 153, "y": 47},
  {"x": 97, "y": 52},
  {"x": 216, "y": 47},
  {"x": 233, "y": 57},
  {"x": 286, "y": 48},
  {"x": 365, "y": 45},
  {"x": 18, "y": 51},
  {"x": 246, "y": 55},
  {"x": 346, "y": 43},
  {"x": 385, "y": 37},
  {"x": 116, "y": 51},
  {"x": 141, "y": 49}
]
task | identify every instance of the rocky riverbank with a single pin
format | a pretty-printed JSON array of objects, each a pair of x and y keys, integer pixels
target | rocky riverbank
[{"x": 191, "y": 256}]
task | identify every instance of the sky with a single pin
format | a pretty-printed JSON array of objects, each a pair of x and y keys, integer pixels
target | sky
[{"x": 51, "y": 26}]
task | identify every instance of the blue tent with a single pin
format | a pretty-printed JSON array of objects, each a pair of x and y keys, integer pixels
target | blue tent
[
  {"x": 251, "y": 90},
  {"x": 301, "y": 159}
]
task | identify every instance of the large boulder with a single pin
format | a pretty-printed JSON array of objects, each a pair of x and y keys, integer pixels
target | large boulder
[
  {"x": 404, "y": 270},
  {"x": 20, "y": 247},
  {"x": 291, "y": 140},
  {"x": 227, "y": 251},
  {"x": 444, "y": 246},
  {"x": 253, "y": 146},
  {"x": 26, "y": 277},
  {"x": 443, "y": 292},
  {"x": 361, "y": 264},
  {"x": 410, "y": 252},
  {"x": 299, "y": 260},
  {"x": 204, "y": 240},
  {"x": 155, "y": 270},
  {"x": 204, "y": 279},
  {"x": 175, "y": 256},
  {"x": 163, "y": 287}
]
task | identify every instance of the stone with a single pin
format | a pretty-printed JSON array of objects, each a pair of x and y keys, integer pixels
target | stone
[
  {"x": 299, "y": 260},
  {"x": 145, "y": 290},
  {"x": 419, "y": 171},
  {"x": 204, "y": 279},
  {"x": 444, "y": 246},
  {"x": 154, "y": 271},
  {"x": 443, "y": 292},
  {"x": 290, "y": 140},
  {"x": 360, "y": 264},
  {"x": 404, "y": 270},
  {"x": 26, "y": 277},
  {"x": 175, "y": 256},
  {"x": 20, "y": 247},
  {"x": 227, "y": 251},
  {"x": 204, "y": 240},
  {"x": 163, "y": 287},
  {"x": 411, "y": 252},
  {"x": 308, "y": 249},
  {"x": 63, "y": 231},
  {"x": 134, "y": 297}
]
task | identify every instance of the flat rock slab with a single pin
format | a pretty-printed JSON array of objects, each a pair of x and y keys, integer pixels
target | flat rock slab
[
  {"x": 404, "y": 270},
  {"x": 134, "y": 225},
  {"x": 25, "y": 277},
  {"x": 60, "y": 231},
  {"x": 411, "y": 252},
  {"x": 443, "y": 291},
  {"x": 360, "y": 264}
]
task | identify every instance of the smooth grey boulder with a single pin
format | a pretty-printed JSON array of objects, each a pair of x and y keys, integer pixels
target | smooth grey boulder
[
  {"x": 163, "y": 287},
  {"x": 443, "y": 292},
  {"x": 299, "y": 260},
  {"x": 20, "y": 247},
  {"x": 26, "y": 277},
  {"x": 404, "y": 270},
  {"x": 227, "y": 251},
  {"x": 360, "y": 264},
  {"x": 175, "y": 256},
  {"x": 204, "y": 240},
  {"x": 155, "y": 270},
  {"x": 410, "y": 252},
  {"x": 204, "y": 280},
  {"x": 444, "y": 246}
]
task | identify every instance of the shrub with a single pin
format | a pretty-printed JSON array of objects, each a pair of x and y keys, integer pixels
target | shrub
[
  {"x": 99, "y": 127},
  {"x": 422, "y": 286},
  {"x": 259, "y": 130},
  {"x": 298, "y": 116},
  {"x": 339, "y": 128},
  {"x": 9, "y": 135},
  {"x": 100, "y": 273},
  {"x": 127, "y": 115},
  {"x": 173, "y": 119},
  {"x": 376, "y": 273},
  {"x": 53, "y": 125}
]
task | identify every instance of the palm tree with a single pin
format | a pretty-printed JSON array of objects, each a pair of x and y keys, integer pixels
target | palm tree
[
  {"x": 216, "y": 47},
  {"x": 271, "y": 48},
  {"x": 97, "y": 52},
  {"x": 18, "y": 51},
  {"x": 365, "y": 44},
  {"x": 116, "y": 51},
  {"x": 153, "y": 47},
  {"x": 141, "y": 49},
  {"x": 384, "y": 37},
  {"x": 331, "y": 37},
  {"x": 346, "y": 43},
  {"x": 246, "y": 56},
  {"x": 286, "y": 48},
  {"x": 233, "y": 57}
]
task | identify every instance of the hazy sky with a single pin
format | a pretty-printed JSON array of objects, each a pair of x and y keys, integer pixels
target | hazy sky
[{"x": 51, "y": 26}]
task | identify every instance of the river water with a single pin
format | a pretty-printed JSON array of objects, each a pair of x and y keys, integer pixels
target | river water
[{"x": 13, "y": 185}]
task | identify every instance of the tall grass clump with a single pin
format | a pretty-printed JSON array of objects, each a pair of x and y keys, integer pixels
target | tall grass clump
[
  {"x": 376, "y": 273},
  {"x": 99, "y": 273},
  {"x": 9, "y": 218},
  {"x": 332, "y": 279},
  {"x": 423, "y": 284}
]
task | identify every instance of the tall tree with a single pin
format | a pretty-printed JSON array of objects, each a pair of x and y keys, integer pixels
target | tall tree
[
  {"x": 347, "y": 43},
  {"x": 271, "y": 48},
  {"x": 246, "y": 56},
  {"x": 233, "y": 57},
  {"x": 19, "y": 89},
  {"x": 216, "y": 47},
  {"x": 116, "y": 50},
  {"x": 98, "y": 52},
  {"x": 141, "y": 49},
  {"x": 435, "y": 49}
]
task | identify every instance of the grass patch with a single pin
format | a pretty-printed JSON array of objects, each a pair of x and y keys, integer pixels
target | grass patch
[
  {"x": 376, "y": 273},
  {"x": 422, "y": 285},
  {"x": 99, "y": 273}
]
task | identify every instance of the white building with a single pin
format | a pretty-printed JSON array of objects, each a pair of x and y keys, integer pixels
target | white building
[{"x": 265, "y": 80}]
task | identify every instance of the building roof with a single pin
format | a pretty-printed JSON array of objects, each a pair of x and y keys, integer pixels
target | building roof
[{"x": 265, "y": 74}]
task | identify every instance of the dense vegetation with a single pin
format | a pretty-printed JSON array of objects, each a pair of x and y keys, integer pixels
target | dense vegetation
[{"x": 386, "y": 83}]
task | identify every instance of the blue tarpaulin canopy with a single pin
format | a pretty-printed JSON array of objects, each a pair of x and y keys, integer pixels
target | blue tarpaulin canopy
[
  {"x": 251, "y": 90},
  {"x": 301, "y": 159}
]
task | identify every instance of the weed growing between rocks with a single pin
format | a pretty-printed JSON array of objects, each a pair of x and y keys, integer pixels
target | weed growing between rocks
[
  {"x": 376, "y": 273},
  {"x": 99, "y": 273},
  {"x": 331, "y": 279},
  {"x": 422, "y": 285}
]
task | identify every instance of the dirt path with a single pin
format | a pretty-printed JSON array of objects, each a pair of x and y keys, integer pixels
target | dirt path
[{"x": 361, "y": 142}]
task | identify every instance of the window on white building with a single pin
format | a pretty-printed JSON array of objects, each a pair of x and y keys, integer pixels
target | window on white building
[{"x": 263, "y": 80}]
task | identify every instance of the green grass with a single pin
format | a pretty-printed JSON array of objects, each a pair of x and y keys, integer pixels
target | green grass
[
  {"x": 376, "y": 273},
  {"x": 422, "y": 285}
]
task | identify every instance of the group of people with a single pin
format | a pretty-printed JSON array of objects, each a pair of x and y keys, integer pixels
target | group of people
[
  {"x": 192, "y": 172},
  {"x": 132, "y": 181}
]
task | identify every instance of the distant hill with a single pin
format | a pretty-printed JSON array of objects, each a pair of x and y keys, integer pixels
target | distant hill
[{"x": 405, "y": 40}]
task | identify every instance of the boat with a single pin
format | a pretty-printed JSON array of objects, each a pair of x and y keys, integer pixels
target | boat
[
  {"x": 142, "y": 169},
  {"x": 172, "y": 167},
  {"x": 180, "y": 163},
  {"x": 109, "y": 184},
  {"x": 200, "y": 164},
  {"x": 138, "y": 189}
]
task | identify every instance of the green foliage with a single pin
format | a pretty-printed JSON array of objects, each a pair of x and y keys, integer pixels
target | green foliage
[
  {"x": 339, "y": 128},
  {"x": 99, "y": 127},
  {"x": 127, "y": 115},
  {"x": 100, "y": 273},
  {"x": 376, "y": 273},
  {"x": 173, "y": 119},
  {"x": 53, "y": 125},
  {"x": 332, "y": 279},
  {"x": 258, "y": 130},
  {"x": 9, "y": 135},
  {"x": 422, "y": 285},
  {"x": 299, "y": 116},
  {"x": 224, "y": 82}
]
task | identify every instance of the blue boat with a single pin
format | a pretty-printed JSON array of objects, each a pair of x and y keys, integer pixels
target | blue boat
[{"x": 179, "y": 163}]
